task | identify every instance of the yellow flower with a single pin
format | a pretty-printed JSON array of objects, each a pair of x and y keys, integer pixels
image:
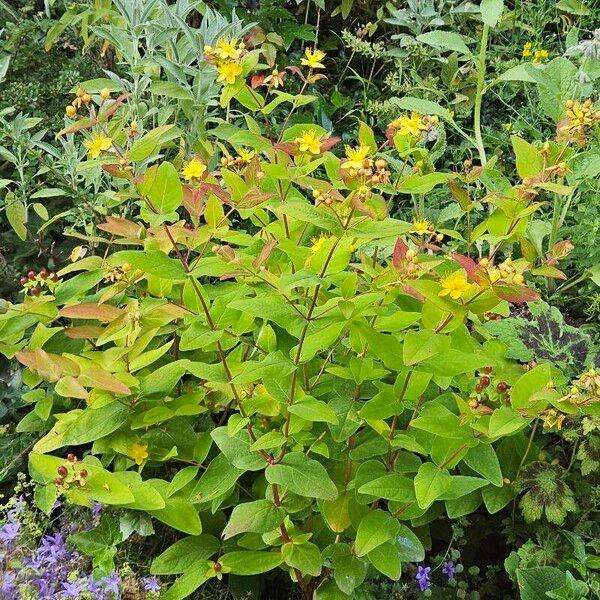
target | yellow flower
[
  {"x": 229, "y": 72},
  {"x": 98, "y": 144},
  {"x": 138, "y": 452},
  {"x": 227, "y": 48},
  {"x": 422, "y": 226},
  {"x": 246, "y": 155},
  {"x": 412, "y": 125},
  {"x": 540, "y": 56},
  {"x": 312, "y": 58},
  {"x": 527, "y": 50},
  {"x": 193, "y": 169},
  {"x": 455, "y": 285},
  {"x": 507, "y": 126},
  {"x": 275, "y": 79},
  {"x": 318, "y": 243},
  {"x": 356, "y": 156},
  {"x": 309, "y": 141}
]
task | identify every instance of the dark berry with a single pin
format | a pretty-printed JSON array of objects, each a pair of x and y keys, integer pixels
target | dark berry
[
  {"x": 23, "y": 280},
  {"x": 502, "y": 387},
  {"x": 53, "y": 277},
  {"x": 71, "y": 457},
  {"x": 58, "y": 481},
  {"x": 35, "y": 291},
  {"x": 488, "y": 370},
  {"x": 479, "y": 388},
  {"x": 83, "y": 473},
  {"x": 31, "y": 275},
  {"x": 62, "y": 471},
  {"x": 43, "y": 273},
  {"x": 485, "y": 381}
]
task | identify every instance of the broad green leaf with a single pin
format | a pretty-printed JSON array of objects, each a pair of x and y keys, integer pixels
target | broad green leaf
[
  {"x": 447, "y": 40},
  {"x": 483, "y": 460},
  {"x": 491, "y": 11},
  {"x": 259, "y": 516},
  {"x": 431, "y": 483},
  {"x": 305, "y": 557},
  {"x": 166, "y": 193},
  {"x": 303, "y": 476},
  {"x": 184, "y": 554},
  {"x": 375, "y": 528},
  {"x": 250, "y": 562}
]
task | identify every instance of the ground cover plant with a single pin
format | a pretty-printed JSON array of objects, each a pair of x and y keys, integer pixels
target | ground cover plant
[{"x": 278, "y": 358}]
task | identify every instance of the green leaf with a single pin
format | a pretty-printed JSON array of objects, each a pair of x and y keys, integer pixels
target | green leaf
[
  {"x": 93, "y": 424},
  {"x": 303, "y": 476},
  {"x": 536, "y": 581},
  {"x": 491, "y": 11},
  {"x": 305, "y": 557},
  {"x": 16, "y": 213},
  {"x": 483, "y": 460},
  {"x": 152, "y": 262},
  {"x": 237, "y": 449},
  {"x": 530, "y": 161},
  {"x": 171, "y": 90},
  {"x": 447, "y": 40},
  {"x": 186, "y": 584},
  {"x": 151, "y": 142},
  {"x": 260, "y": 516},
  {"x": 423, "y": 107},
  {"x": 391, "y": 487},
  {"x": 505, "y": 421},
  {"x": 375, "y": 528},
  {"x": 524, "y": 391},
  {"x": 166, "y": 193},
  {"x": 421, "y": 345},
  {"x": 431, "y": 483},
  {"x": 408, "y": 545},
  {"x": 184, "y": 554},
  {"x": 386, "y": 560},
  {"x": 250, "y": 563},
  {"x": 312, "y": 409},
  {"x": 180, "y": 514}
]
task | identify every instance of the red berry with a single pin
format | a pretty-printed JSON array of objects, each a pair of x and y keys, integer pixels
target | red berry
[
  {"x": 83, "y": 473},
  {"x": 62, "y": 471},
  {"x": 71, "y": 457},
  {"x": 53, "y": 276},
  {"x": 488, "y": 370},
  {"x": 43, "y": 273},
  {"x": 31, "y": 275},
  {"x": 58, "y": 481},
  {"x": 479, "y": 387},
  {"x": 23, "y": 280},
  {"x": 485, "y": 381},
  {"x": 35, "y": 291},
  {"x": 502, "y": 387},
  {"x": 217, "y": 567}
]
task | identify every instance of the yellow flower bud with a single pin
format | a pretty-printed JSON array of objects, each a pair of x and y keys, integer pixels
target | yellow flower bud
[
  {"x": 518, "y": 278},
  {"x": 87, "y": 98},
  {"x": 71, "y": 111},
  {"x": 410, "y": 254},
  {"x": 484, "y": 262},
  {"x": 105, "y": 93}
]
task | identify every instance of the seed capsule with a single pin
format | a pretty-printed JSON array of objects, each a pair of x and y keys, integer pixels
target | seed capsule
[
  {"x": 62, "y": 471},
  {"x": 502, "y": 387}
]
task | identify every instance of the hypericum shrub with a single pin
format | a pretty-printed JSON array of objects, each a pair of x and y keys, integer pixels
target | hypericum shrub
[{"x": 258, "y": 356}]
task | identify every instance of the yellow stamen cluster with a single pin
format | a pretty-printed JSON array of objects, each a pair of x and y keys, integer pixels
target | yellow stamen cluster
[
  {"x": 194, "y": 169},
  {"x": 138, "y": 452},
  {"x": 318, "y": 243},
  {"x": 454, "y": 285},
  {"x": 579, "y": 117},
  {"x": 226, "y": 56},
  {"x": 585, "y": 389},
  {"x": 413, "y": 124},
  {"x": 313, "y": 59},
  {"x": 243, "y": 158},
  {"x": 426, "y": 229},
  {"x": 97, "y": 145},
  {"x": 309, "y": 141},
  {"x": 358, "y": 164}
]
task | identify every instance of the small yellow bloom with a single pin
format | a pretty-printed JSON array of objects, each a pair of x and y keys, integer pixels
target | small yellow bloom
[
  {"x": 422, "y": 226},
  {"x": 309, "y": 141},
  {"x": 455, "y": 285},
  {"x": 246, "y": 155},
  {"x": 227, "y": 48},
  {"x": 138, "y": 452},
  {"x": 507, "y": 126},
  {"x": 229, "y": 72},
  {"x": 275, "y": 79},
  {"x": 312, "y": 58},
  {"x": 412, "y": 125},
  {"x": 98, "y": 144},
  {"x": 318, "y": 243},
  {"x": 356, "y": 156},
  {"x": 540, "y": 56},
  {"x": 194, "y": 169},
  {"x": 527, "y": 50},
  {"x": 105, "y": 93},
  {"x": 71, "y": 111}
]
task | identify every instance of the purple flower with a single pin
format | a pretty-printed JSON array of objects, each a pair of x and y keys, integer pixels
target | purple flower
[
  {"x": 9, "y": 532},
  {"x": 151, "y": 584},
  {"x": 422, "y": 578},
  {"x": 448, "y": 569},
  {"x": 96, "y": 508},
  {"x": 72, "y": 590},
  {"x": 8, "y": 587},
  {"x": 111, "y": 583}
]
